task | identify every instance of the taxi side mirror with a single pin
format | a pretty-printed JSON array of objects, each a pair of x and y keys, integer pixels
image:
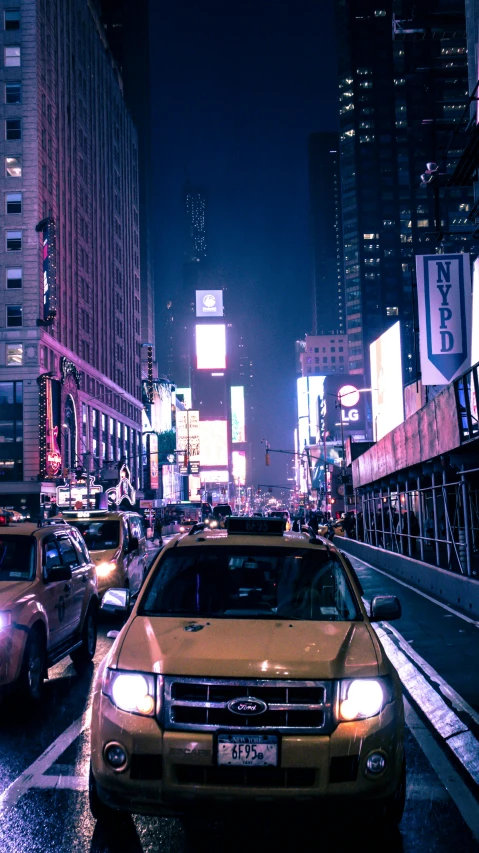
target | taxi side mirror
[
  {"x": 115, "y": 601},
  {"x": 58, "y": 573},
  {"x": 385, "y": 608}
]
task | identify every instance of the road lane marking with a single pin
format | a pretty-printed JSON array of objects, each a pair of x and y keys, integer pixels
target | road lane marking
[
  {"x": 419, "y": 592},
  {"x": 33, "y": 774},
  {"x": 456, "y": 788},
  {"x": 62, "y": 783}
]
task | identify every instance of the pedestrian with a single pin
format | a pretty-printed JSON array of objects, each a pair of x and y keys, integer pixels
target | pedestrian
[
  {"x": 158, "y": 531},
  {"x": 430, "y": 527},
  {"x": 414, "y": 528}
]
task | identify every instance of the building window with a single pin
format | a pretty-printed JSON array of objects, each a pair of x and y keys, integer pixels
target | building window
[
  {"x": 325, "y": 358},
  {"x": 316, "y": 349},
  {"x": 14, "y": 278},
  {"x": 13, "y": 167},
  {"x": 14, "y": 241},
  {"x": 392, "y": 312},
  {"x": 14, "y": 355},
  {"x": 12, "y": 19},
  {"x": 12, "y": 56},
  {"x": 11, "y": 431},
  {"x": 14, "y": 316},
  {"x": 333, "y": 359},
  {"x": 13, "y": 202},
  {"x": 13, "y": 93},
  {"x": 13, "y": 128}
]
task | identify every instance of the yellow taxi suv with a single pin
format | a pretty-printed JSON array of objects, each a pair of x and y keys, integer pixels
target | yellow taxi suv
[
  {"x": 117, "y": 544},
  {"x": 48, "y": 604},
  {"x": 248, "y": 673}
]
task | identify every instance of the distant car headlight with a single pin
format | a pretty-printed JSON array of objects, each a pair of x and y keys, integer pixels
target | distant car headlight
[
  {"x": 105, "y": 569},
  {"x": 361, "y": 698},
  {"x": 5, "y": 620},
  {"x": 182, "y": 529},
  {"x": 213, "y": 523},
  {"x": 131, "y": 691}
]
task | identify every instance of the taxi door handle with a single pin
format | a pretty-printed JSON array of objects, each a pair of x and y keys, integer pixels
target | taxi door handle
[{"x": 67, "y": 588}]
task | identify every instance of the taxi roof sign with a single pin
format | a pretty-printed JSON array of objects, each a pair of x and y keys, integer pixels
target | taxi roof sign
[{"x": 255, "y": 526}]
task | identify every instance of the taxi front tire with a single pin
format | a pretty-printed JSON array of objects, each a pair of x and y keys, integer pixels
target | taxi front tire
[
  {"x": 391, "y": 810},
  {"x": 82, "y": 656},
  {"x": 34, "y": 667},
  {"x": 99, "y": 810}
]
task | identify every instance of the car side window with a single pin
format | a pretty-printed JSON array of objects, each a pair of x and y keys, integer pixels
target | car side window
[
  {"x": 67, "y": 551},
  {"x": 83, "y": 556},
  {"x": 126, "y": 534},
  {"x": 51, "y": 556}
]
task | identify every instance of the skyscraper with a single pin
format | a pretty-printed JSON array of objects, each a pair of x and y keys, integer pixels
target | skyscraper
[
  {"x": 70, "y": 387},
  {"x": 194, "y": 201},
  {"x": 326, "y": 234},
  {"x": 403, "y": 86},
  {"x": 127, "y": 29}
]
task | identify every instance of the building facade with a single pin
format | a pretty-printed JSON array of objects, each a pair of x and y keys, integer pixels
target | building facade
[
  {"x": 324, "y": 354},
  {"x": 326, "y": 234},
  {"x": 70, "y": 314},
  {"x": 402, "y": 86}
]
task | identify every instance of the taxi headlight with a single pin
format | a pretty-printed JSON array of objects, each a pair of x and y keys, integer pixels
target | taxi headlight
[
  {"x": 131, "y": 691},
  {"x": 361, "y": 698},
  {"x": 213, "y": 523},
  {"x": 105, "y": 569},
  {"x": 5, "y": 620}
]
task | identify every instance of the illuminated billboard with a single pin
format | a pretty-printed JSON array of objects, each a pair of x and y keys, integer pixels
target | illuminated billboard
[
  {"x": 213, "y": 477},
  {"x": 239, "y": 467},
  {"x": 186, "y": 394},
  {"x": 213, "y": 443},
  {"x": 211, "y": 346},
  {"x": 209, "y": 303},
  {"x": 386, "y": 382},
  {"x": 237, "y": 413}
]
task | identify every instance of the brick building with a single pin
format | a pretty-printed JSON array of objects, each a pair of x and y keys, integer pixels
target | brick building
[{"x": 70, "y": 313}]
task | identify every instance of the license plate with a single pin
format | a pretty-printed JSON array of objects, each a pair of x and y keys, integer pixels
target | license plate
[{"x": 248, "y": 750}]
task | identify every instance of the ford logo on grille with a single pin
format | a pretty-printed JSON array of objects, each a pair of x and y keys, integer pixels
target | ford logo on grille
[{"x": 247, "y": 706}]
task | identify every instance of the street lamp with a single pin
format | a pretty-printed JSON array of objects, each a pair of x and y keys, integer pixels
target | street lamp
[{"x": 351, "y": 392}]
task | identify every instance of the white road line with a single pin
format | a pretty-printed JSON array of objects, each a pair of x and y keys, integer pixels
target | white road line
[
  {"x": 34, "y": 774},
  {"x": 63, "y": 783},
  {"x": 457, "y": 789},
  {"x": 419, "y": 592}
]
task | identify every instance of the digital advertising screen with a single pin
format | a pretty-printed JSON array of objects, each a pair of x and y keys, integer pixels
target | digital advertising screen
[
  {"x": 239, "y": 467},
  {"x": 386, "y": 382},
  {"x": 209, "y": 303},
  {"x": 213, "y": 443},
  {"x": 211, "y": 346},
  {"x": 237, "y": 414}
]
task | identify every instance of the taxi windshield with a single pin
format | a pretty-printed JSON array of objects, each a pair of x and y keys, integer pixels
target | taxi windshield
[
  {"x": 17, "y": 558},
  {"x": 99, "y": 535},
  {"x": 254, "y": 583}
]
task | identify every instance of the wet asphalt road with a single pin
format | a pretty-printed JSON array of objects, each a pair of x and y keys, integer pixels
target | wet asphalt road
[{"x": 39, "y": 816}]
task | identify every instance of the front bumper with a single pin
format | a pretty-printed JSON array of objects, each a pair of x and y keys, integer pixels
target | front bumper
[{"x": 175, "y": 772}]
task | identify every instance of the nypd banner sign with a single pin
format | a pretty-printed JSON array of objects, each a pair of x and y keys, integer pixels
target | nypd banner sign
[{"x": 445, "y": 309}]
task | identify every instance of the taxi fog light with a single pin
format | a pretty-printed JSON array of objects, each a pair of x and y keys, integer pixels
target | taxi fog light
[
  {"x": 131, "y": 691},
  {"x": 115, "y": 755},
  {"x": 5, "y": 620},
  {"x": 105, "y": 569},
  {"x": 361, "y": 698},
  {"x": 375, "y": 763}
]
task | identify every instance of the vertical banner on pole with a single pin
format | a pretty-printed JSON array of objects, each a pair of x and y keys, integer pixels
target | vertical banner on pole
[{"x": 445, "y": 311}]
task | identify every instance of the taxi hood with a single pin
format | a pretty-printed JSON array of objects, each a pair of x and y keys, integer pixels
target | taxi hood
[
  {"x": 12, "y": 591},
  {"x": 247, "y": 648}
]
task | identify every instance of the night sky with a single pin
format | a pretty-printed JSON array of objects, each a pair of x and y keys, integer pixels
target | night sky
[{"x": 237, "y": 88}]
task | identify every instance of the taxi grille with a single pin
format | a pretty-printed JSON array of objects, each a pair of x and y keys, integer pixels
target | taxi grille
[{"x": 292, "y": 706}]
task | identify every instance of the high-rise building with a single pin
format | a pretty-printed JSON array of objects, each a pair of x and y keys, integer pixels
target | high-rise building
[
  {"x": 127, "y": 30},
  {"x": 403, "y": 86},
  {"x": 70, "y": 320},
  {"x": 324, "y": 354},
  {"x": 194, "y": 199},
  {"x": 326, "y": 234}
]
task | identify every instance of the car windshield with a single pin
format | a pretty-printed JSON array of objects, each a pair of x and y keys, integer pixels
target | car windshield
[
  {"x": 255, "y": 583},
  {"x": 279, "y": 513},
  {"x": 99, "y": 535},
  {"x": 17, "y": 558}
]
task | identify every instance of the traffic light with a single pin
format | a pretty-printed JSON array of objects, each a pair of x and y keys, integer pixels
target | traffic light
[
  {"x": 185, "y": 460},
  {"x": 266, "y": 457}
]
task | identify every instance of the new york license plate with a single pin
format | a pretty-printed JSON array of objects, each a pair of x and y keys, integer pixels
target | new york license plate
[{"x": 248, "y": 750}]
